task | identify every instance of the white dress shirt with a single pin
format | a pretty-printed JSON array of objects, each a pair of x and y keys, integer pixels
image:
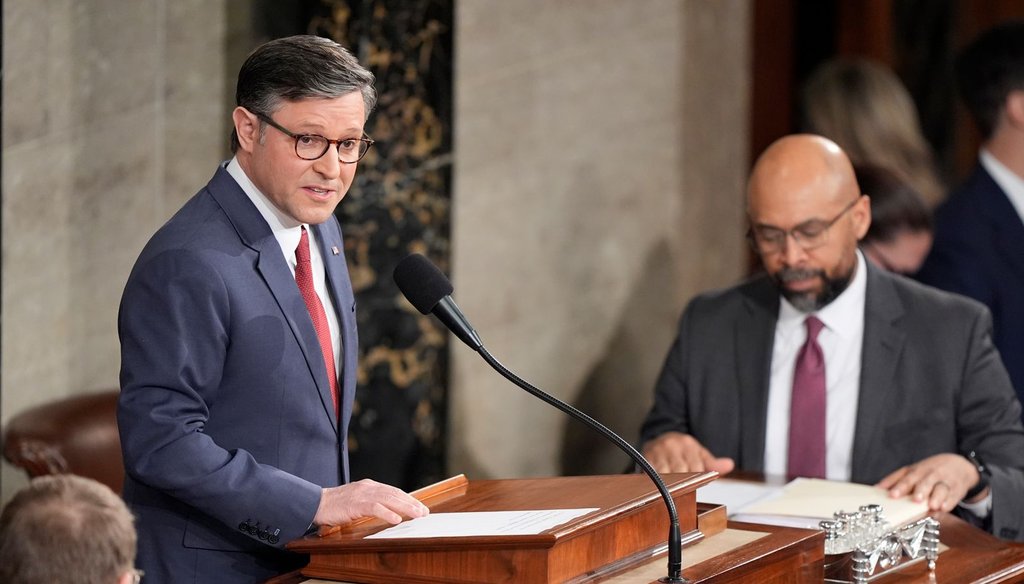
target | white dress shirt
[
  {"x": 288, "y": 231},
  {"x": 841, "y": 340},
  {"x": 1007, "y": 180}
]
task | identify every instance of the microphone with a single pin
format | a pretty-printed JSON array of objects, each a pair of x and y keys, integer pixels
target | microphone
[{"x": 427, "y": 289}]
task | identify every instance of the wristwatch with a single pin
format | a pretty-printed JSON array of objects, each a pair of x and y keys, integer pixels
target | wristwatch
[{"x": 983, "y": 475}]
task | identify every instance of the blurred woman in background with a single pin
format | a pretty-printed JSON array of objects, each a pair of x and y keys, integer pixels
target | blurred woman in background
[
  {"x": 866, "y": 109},
  {"x": 901, "y": 224}
]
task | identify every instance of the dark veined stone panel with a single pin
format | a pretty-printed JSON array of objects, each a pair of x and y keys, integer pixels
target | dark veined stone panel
[{"x": 399, "y": 204}]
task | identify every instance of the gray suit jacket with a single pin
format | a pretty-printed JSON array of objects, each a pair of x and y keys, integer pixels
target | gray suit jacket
[{"x": 931, "y": 382}]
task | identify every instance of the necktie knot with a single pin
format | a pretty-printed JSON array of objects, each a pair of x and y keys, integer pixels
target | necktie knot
[
  {"x": 814, "y": 327},
  {"x": 302, "y": 252}
]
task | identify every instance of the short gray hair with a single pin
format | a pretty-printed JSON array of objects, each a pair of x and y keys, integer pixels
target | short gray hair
[
  {"x": 299, "y": 67},
  {"x": 66, "y": 527}
]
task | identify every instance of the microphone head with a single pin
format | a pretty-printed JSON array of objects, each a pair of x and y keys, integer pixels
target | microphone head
[{"x": 421, "y": 282}]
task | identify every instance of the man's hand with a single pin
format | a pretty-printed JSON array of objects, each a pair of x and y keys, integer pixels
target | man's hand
[
  {"x": 941, "y": 480},
  {"x": 678, "y": 452},
  {"x": 367, "y": 498}
]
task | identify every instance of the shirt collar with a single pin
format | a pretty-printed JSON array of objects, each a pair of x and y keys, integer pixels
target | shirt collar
[
  {"x": 286, "y": 230},
  {"x": 1007, "y": 180},
  {"x": 843, "y": 316}
]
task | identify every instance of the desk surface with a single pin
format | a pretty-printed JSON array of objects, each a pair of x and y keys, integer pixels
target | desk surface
[
  {"x": 735, "y": 552},
  {"x": 972, "y": 556}
]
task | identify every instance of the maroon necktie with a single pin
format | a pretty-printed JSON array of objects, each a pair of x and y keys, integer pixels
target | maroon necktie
[
  {"x": 807, "y": 410},
  {"x": 304, "y": 278}
]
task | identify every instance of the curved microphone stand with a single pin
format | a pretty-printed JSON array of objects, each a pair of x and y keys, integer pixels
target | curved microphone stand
[
  {"x": 429, "y": 291},
  {"x": 675, "y": 546}
]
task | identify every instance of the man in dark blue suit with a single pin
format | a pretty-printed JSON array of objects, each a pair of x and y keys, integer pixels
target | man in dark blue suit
[
  {"x": 979, "y": 231},
  {"x": 238, "y": 336}
]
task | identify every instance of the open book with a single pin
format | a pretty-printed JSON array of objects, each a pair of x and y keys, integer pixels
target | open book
[{"x": 804, "y": 502}]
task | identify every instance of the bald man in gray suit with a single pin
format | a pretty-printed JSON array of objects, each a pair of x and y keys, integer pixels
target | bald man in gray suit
[{"x": 914, "y": 396}]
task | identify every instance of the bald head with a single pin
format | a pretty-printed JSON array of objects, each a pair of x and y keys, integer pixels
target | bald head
[
  {"x": 806, "y": 217},
  {"x": 799, "y": 168}
]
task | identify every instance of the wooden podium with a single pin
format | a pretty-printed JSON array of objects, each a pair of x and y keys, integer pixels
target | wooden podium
[
  {"x": 630, "y": 526},
  {"x": 621, "y": 543}
]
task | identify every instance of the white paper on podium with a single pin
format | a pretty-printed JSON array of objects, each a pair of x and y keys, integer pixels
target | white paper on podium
[
  {"x": 481, "y": 523},
  {"x": 735, "y": 495},
  {"x": 805, "y": 502}
]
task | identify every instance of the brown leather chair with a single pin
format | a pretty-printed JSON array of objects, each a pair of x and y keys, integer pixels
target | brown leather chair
[{"x": 76, "y": 435}]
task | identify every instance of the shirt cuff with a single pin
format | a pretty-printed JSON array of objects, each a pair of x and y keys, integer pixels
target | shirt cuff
[{"x": 982, "y": 508}]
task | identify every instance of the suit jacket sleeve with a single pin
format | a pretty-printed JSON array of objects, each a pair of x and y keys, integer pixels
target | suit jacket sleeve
[
  {"x": 669, "y": 412},
  {"x": 989, "y": 422},
  {"x": 174, "y": 327}
]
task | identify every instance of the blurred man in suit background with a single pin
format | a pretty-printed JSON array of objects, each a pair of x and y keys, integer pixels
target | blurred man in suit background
[{"x": 979, "y": 231}]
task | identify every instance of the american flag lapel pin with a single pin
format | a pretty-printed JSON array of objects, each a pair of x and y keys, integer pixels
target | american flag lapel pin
[{"x": 334, "y": 250}]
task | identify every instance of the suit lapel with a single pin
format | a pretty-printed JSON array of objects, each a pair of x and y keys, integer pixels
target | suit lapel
[
  {"x": 279, "y": 279},
  {"x": 255, "y": 233},
  {"x": 883, "y": 344},
  {"x": 754, "y": 333},
  {"x": 1008, "y": 228}
]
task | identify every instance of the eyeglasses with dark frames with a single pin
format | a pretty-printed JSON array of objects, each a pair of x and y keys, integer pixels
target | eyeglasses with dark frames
[
  {"x": 808, "y": 235},
  {"x": 313, "y": 146}
]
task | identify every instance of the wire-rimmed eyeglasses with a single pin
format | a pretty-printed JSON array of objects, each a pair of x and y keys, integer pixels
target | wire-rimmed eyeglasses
[
  {"x": 313, "y": 146},
  {"x": 809, "y": 235}
]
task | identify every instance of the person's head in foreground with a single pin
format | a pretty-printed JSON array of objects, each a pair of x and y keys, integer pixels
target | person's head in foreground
[{"x": 66, "y": 528}]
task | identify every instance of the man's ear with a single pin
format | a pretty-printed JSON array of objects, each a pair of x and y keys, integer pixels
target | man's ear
[
  {"x": 247, "y": 127},
  {"x": 862, "y": 215},
  {"x": 127, "y": 578},
  {"x": 1014, "y": 110}
]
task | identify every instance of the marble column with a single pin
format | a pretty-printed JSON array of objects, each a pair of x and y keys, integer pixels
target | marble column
[
  {"x": 601, "y": 161},
  {"x": 112, "y": 117}
]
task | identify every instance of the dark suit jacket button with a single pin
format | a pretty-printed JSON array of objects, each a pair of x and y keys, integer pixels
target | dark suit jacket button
[
  {"x": 254, "y": 529},
  {"x": 274, "y": 537},
  {"x": 243, "y": 526},
  {"x": 264, "y": 534}
]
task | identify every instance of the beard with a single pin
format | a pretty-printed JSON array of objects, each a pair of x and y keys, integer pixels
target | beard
[{"x": 811, "y": 301}]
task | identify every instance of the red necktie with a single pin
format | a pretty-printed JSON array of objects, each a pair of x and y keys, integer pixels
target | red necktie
[
  {"x": 807, "y": 410},
  {"x": 304, "y": 278}
]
